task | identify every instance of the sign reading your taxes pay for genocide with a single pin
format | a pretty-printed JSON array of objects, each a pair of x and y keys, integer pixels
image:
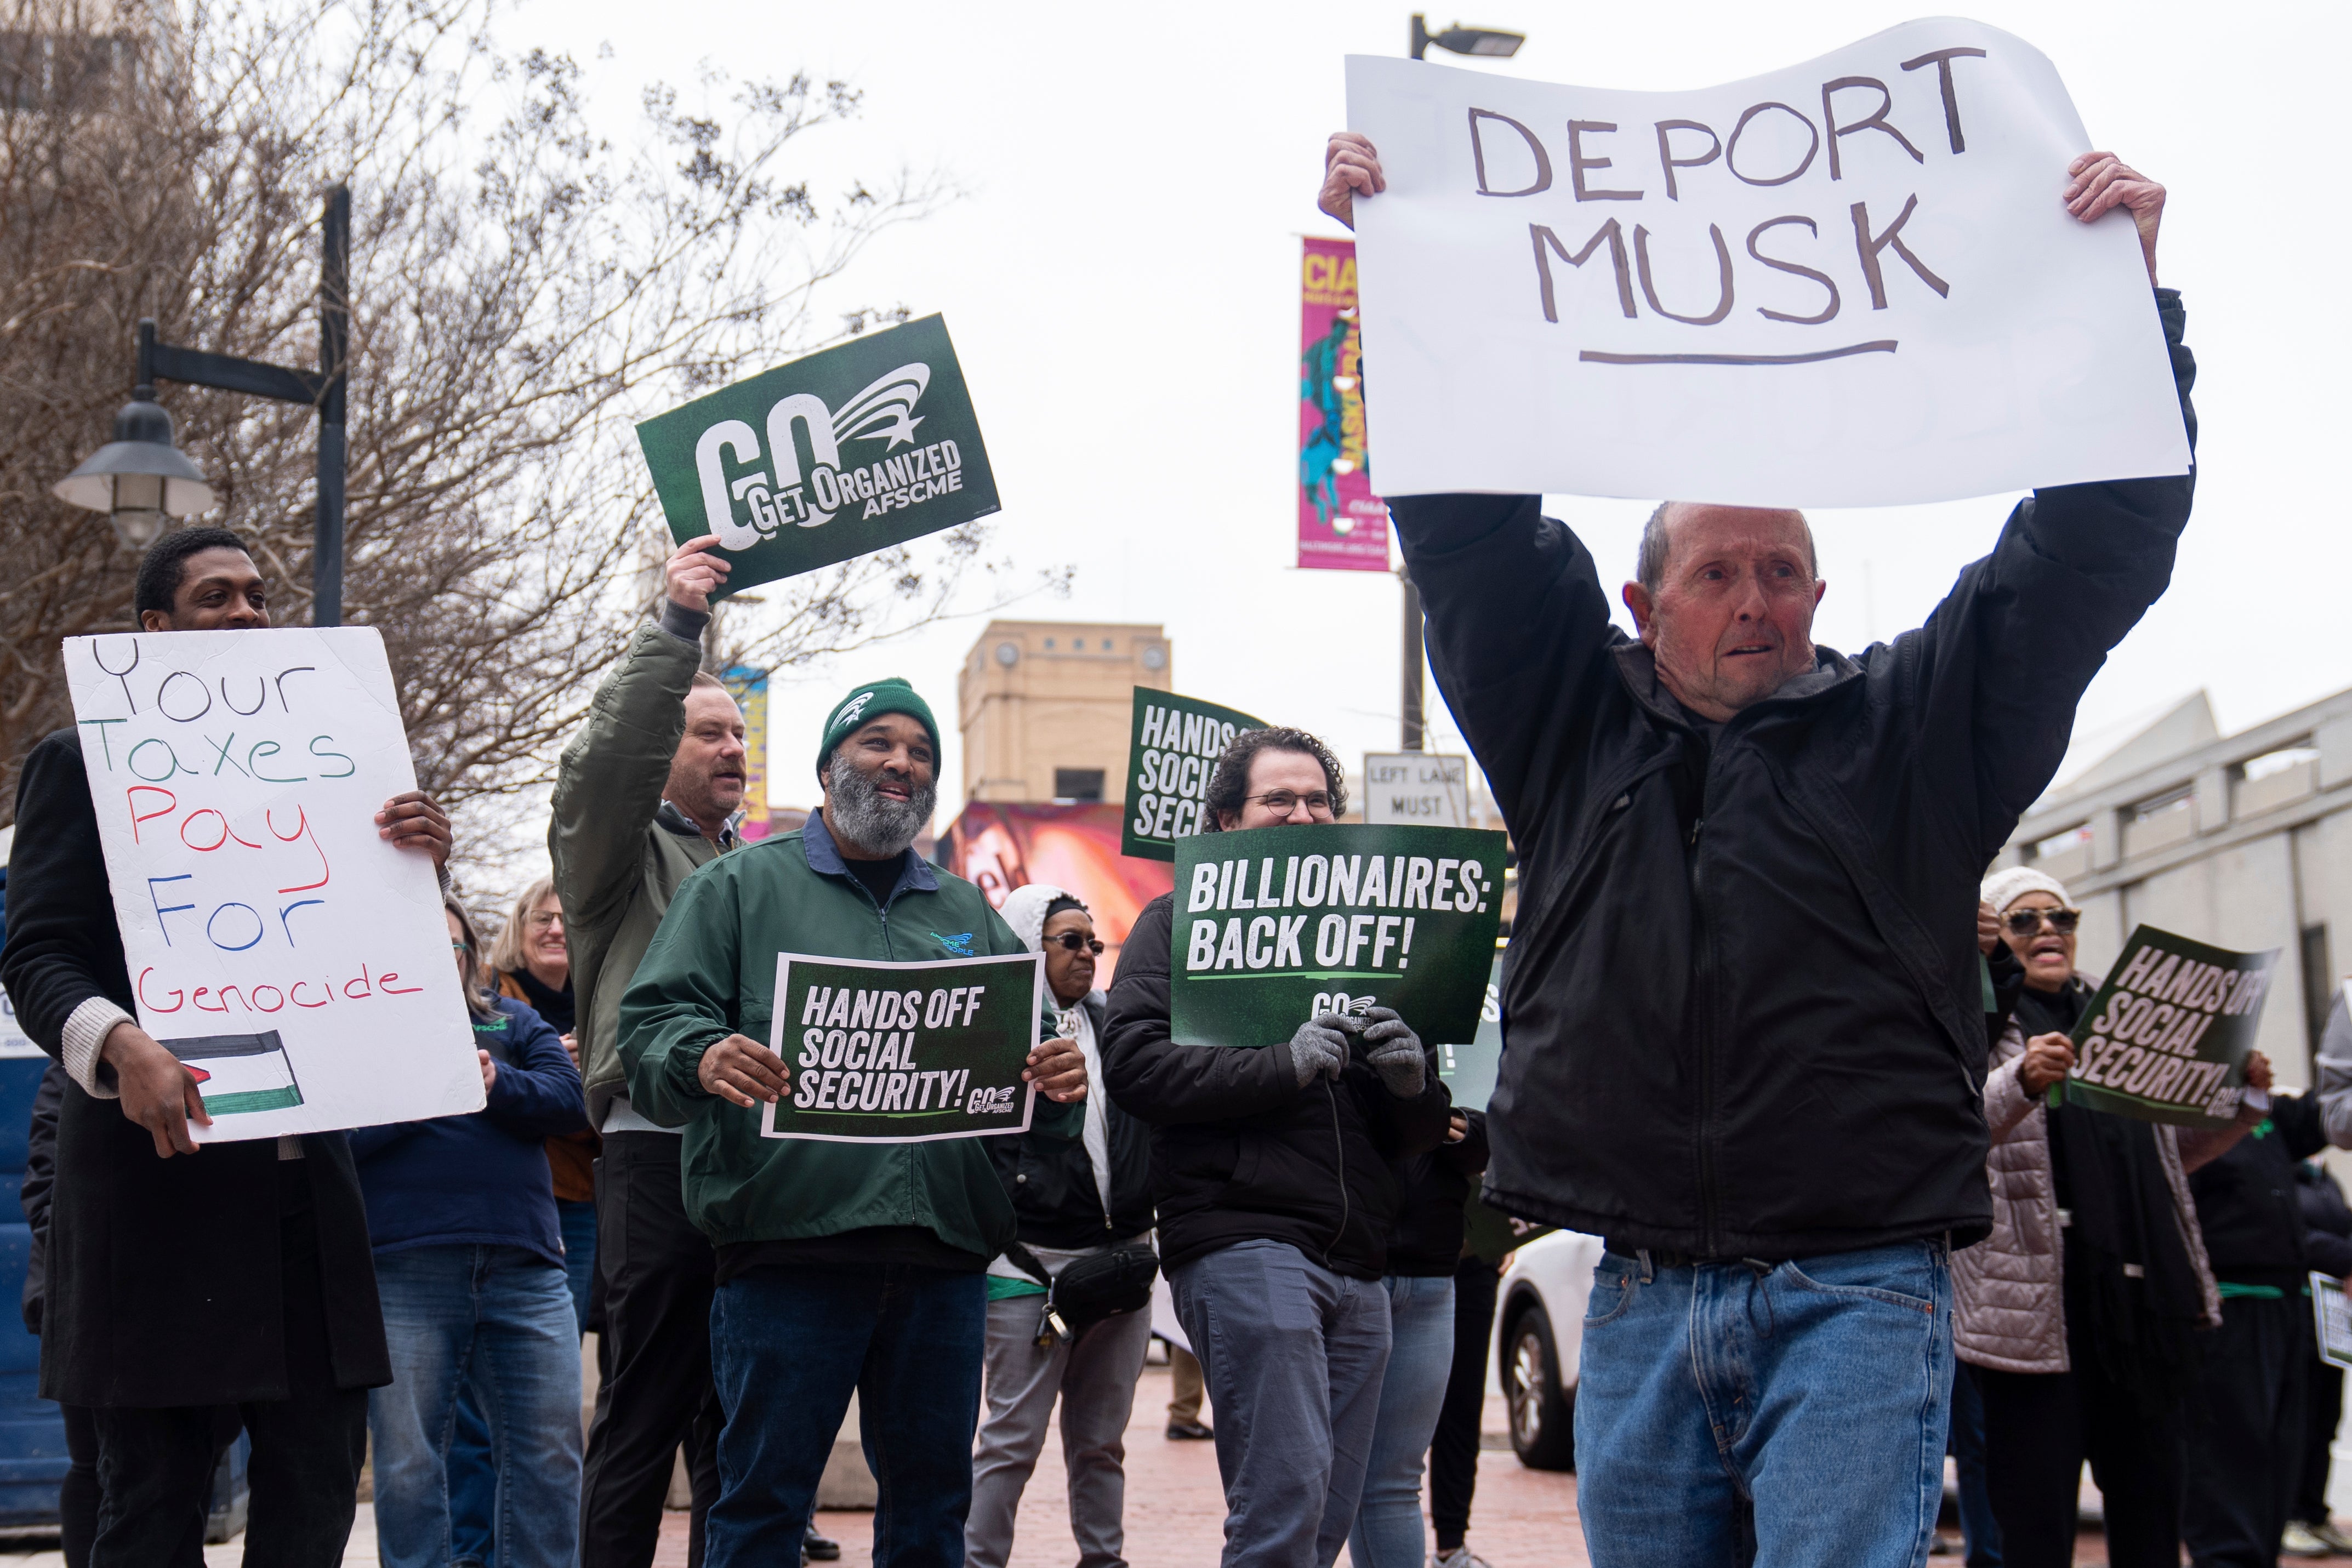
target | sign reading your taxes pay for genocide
[
  {"x": 1851, "y": 283},
  {"x": 292, "y": 961},
  {"x": 860, "y": 447}
]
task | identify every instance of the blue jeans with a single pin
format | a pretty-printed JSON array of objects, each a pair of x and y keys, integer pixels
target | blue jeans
[
  {"x": 578, "y": 1222},
  {"x": 786, "y": 1349},
  {"x": 1796, "y": 1410},
  {"x": 498, "y": 1318},
  {"x": 1388, "y": 1533},
  {"x": 1292, "y": 1355}
]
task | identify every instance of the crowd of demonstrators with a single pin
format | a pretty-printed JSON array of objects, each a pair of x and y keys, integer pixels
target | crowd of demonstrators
[
  {"x": 644, "y": 795},
  {"x": 256, "y": 1253},
  {"x": 1072, "y": 1198},
  {"x": 1274, "y": 1197},
  {"x": 840, "y": 1267},
  {"x": 2328, "y": 1247},
  {"x": 2079, "y": 1316},
  {"x": 1424, "y": 1249},
  {"x": 530, "y": 962},
  {"x": 469, "y": 1264},
  {"x": 1809, "y": 1030}
]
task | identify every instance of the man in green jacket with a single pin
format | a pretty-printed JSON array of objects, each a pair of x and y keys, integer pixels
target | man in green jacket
[
  {"x": 646, "y": 793},
  {"x": 841, "y": 1266}
]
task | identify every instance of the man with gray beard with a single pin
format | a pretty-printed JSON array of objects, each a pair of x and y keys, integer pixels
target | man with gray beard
[{"x": 841, "y": 1266}]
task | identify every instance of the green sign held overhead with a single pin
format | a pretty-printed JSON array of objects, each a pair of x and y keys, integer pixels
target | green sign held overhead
[
  {"x": 848, "y": 451},
  {"x": 2165, "y": 1039},
  {"x": 1274, "y": 925},
  {"x": 904, "y": 1053},
  {"x": 1171, "y": 752}
]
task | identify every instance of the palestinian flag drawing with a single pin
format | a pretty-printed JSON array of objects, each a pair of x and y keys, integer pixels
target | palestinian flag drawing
[{"x": 239, "y": 1072}]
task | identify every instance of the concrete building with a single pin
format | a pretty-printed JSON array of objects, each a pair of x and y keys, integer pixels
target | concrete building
[
  {"x": 1046, "y": 708},
  {"x": 2242, "y": 841}
]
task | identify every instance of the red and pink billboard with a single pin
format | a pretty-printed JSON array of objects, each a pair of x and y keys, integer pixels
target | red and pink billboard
[
  {"x": 998, "y": 846},
  {"x": 1342, "y": 524}
]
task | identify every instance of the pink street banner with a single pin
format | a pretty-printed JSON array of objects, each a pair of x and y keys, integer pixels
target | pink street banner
[{"x": 1342, "y": 526}]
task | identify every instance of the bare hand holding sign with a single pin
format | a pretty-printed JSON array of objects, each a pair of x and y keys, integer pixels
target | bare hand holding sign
[{"x": 1883, "y": 277}]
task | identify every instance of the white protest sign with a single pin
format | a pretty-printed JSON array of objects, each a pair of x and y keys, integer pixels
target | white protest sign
[
  {"x": 1851, "y": 283},
  {"x": 275, "y": 942},
  {"x": 1415, "y": 789}
]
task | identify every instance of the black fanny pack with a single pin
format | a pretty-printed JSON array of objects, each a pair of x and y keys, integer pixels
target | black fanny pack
[{"x": 1088, "y": 1289}]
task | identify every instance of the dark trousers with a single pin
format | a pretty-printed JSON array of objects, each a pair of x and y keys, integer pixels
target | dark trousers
[
  {"x": 2245, "y": 1433},
  {"x": 788, "y": 1345},
  {"x": 1453, "y": 1449},
  {"x": 1979, "y": 1532},
  {"x": 77, "y": 1493},
  {"x": 2324, "y": 1408},
  {"x": 156, "y": 1465},
  {"x": 655, "y": 1270},
  {"x": 2038, "y": 1428}
]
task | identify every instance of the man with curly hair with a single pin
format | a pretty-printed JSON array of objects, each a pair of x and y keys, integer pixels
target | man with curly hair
[{"x": 1268, "y": 1168}]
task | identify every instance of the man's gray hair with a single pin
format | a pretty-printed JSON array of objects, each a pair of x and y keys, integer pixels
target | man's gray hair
[{"x": 1650, "y": 568}]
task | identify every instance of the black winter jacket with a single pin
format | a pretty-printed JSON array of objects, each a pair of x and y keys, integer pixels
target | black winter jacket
[
  {"x": 1052, "y": 1182},
  {"x": 1433, "y": 1189},
  {"x": 1744, "y": 1015},
  {"x": 2247, "y": 1204},
  {"x": 1239, "y": 1152},
  {"x": 2327, "y": 1221}
]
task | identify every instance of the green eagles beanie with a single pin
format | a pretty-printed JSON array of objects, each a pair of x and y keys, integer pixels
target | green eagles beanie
[{"x": 868, "y": 703}]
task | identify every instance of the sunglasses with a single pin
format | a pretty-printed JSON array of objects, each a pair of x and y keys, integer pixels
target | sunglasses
[
  {"x": 2026, "y": 922},
  {"x": 1071, "y": 942}
]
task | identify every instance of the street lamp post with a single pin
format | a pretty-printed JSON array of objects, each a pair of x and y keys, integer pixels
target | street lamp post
[
  {"x": 1495, "y": 44},
  {"x": 141, "y": 477}
]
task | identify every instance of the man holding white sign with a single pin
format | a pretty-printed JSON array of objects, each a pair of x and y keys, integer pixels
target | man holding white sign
[
  {"x": 1743, "y": 1038},
  {"x": 179, "y": 1279}
]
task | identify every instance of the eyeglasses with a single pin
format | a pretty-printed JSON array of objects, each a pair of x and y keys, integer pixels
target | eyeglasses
[
  {"x": 2026, "y": 922},
  {"x": 1070, "y": 942},
  {"x": 1282, "y": 802},
  {"x": 540, "y": 920}
]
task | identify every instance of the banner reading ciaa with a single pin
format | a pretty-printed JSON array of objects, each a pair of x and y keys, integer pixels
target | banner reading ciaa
[{"x": 1342, "y": 524}]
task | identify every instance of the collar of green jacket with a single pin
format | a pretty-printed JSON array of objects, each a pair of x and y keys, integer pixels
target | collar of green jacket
[{"x": 710, "y": 972}]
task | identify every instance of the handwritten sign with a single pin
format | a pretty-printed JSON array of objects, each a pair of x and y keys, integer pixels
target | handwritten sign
[
  {"x": 1850, "y": 283},
  {"x": 296, "y": 962}
]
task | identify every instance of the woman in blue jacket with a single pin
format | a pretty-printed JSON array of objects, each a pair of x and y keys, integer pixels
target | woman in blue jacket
[{"x": 461, "y": 1214}]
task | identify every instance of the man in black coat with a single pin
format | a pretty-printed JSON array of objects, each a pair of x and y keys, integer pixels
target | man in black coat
[
  {"x": 1743, "y": 1024},
  {"x": 1269, "y": 1172},
  {"x": 179, "y": 1281}
]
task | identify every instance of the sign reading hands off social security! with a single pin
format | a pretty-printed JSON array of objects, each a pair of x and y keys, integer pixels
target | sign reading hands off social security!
[
  {"x": 296, "y": 963},
  {"x": 1849, "y": 283},
  {"x": 1274, "y": 925},
  {"x": 852, "y": 450}
]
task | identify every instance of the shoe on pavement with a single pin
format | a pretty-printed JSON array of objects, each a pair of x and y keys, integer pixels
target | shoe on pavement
[
  {"x": 1189, "y": 1432},
  {"x": 1459, "y": 1558},
  {"x": 2300, "y": 1542},
  {"x": 815, "y": 1548},
  {"x": 1941, "y": 1545},
  {"x": 2326, "y": 1532}
]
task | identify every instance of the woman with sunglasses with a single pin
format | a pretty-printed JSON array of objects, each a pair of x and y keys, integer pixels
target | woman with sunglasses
[
  {"x": 1071, "y": 1200},
  {"x": 2078, "y": 1315}
]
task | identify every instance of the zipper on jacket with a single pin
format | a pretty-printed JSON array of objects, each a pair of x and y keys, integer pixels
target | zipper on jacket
[{"x": 1703, "y": 1000}]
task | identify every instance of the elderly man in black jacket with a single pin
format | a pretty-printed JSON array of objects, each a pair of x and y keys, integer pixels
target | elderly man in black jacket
[
  {"x": 176, "y": 1280},
  {"x": 1742, "y": 1024},
  {"x": 1269, "y": 1171}
]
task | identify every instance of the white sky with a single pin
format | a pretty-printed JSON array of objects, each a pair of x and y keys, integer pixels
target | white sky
[{"x": 1122, "y": 283}]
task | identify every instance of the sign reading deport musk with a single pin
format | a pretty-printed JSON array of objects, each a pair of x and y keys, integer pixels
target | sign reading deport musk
[{"x": 852, "y": 450}]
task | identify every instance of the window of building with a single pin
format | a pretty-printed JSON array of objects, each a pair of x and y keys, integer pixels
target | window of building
[{"x": 1078, "y": 784}]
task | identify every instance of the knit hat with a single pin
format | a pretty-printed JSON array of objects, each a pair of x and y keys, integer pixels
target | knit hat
[
  {"x": 2003, "y": 888},
  {"x": 868, "y": 703}
]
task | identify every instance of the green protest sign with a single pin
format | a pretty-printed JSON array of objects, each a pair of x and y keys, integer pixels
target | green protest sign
[
  {"x": 1274, "y": 925},
  {"x": 2166, "y": 1038},
  {"x": 904, "y": 1053},
  {"x": 1171, "y": 752},
  {"x": 848, "y": 451}
]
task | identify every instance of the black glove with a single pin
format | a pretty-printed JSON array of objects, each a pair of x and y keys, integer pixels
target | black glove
[
  {"x": 1320, "y": 1047},
  {"x": 1395, "y": 1052}
]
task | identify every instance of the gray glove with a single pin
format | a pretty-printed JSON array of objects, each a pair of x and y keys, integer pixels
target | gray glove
[
  {"x": 1320, "y": 1048},
  {"x": 1395, "y": 1052}
]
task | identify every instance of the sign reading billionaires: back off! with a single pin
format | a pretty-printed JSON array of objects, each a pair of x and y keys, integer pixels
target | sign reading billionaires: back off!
[
  {"x": 849, "y": 451},
  {"x": 1274, "y": 925}
]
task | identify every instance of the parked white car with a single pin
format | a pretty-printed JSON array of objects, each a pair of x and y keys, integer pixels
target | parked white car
[{"x": 1538, "y": 1334}]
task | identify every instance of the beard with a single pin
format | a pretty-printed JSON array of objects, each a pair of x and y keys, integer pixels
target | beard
[{"x": 870, "y": 819}]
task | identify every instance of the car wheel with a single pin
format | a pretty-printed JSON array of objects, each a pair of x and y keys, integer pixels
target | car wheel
[{"x": 1542, "y": 1414}]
